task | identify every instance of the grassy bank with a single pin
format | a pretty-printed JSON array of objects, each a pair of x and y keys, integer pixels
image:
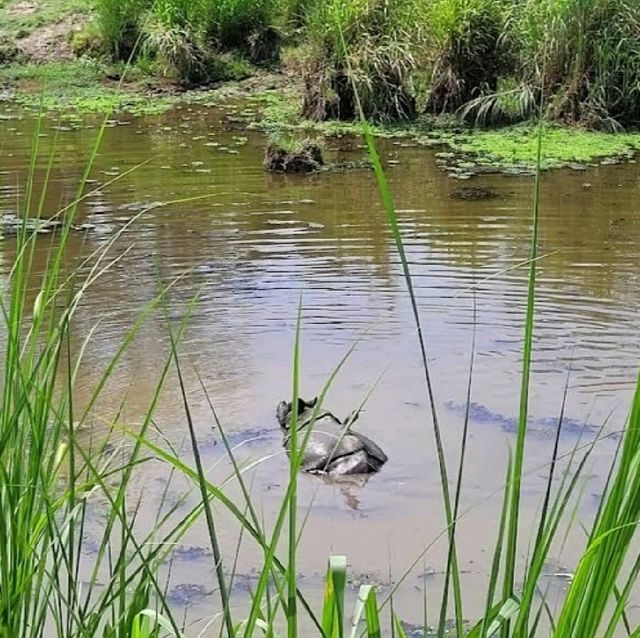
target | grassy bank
[
  {"x": 469, "y": 74},
  {"x": 465, "y": 150},
  {"x": 489, "y": 62}
]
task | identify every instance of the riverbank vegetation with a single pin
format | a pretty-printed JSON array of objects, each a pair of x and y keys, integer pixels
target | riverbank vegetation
[
  {"x": 469, "y": 74},
  {"x": 489, "y": 62}
]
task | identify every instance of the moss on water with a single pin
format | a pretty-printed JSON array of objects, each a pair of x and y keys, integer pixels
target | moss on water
[
  {"x": 508, "y": 149},
  {"x": 79, "y": 86},
  {"x": 562, "y": 145}
]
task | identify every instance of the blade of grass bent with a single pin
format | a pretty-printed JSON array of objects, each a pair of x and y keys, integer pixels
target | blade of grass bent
[
  {"x": 292, "y": 611},
  {"x": 461, "y": 462},
  {"x": 208, "y": 512}
]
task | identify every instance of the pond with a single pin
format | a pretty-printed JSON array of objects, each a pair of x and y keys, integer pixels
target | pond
[{"x": 246, "y": 246}]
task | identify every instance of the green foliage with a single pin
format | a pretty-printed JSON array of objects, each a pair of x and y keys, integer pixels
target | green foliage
[
  {"x": 585, "y": 54},
  {"x": 88, "y": 41},
  {"x": 379, "y": 41},
  {"x": 589, "y": 604},
  {"x": 52, "y": 470},
  {"x": 468, "y": 49},
  {"x": 120, "y": 23},
  {"x": 174, "y": 47},
  {"x": 186, "y": 37}
]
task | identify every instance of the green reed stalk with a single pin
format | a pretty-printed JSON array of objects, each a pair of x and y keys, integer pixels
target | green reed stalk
[
  {"x": 211, "y": 526},
  {"x": 46, "y": 474},
  {"x": 292, "y": 610},
  {"x": 461, "y": 463},
  {"x": 592, "y": 590},
  {"x": 515, "y": 479}
]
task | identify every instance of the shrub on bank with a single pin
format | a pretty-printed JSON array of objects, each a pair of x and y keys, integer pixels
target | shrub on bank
[
  {"x": 487, "y": 60},
  {"x": 190, "y": 40},
  {"x": 378, "y": 42},
  {"x": 468, "y": 51},
  {"x": 581, "y": 56},
  {"x": 586, "y": 56},
  {"x": 119, "y": 22}
]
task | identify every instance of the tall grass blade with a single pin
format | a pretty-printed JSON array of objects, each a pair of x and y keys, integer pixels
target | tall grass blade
[
  {"x": 515, "y": 480},
  {"x": 292, "y": 496},
  {"x": 334, "y": 597},
  {"x": 208, "y": 512}
]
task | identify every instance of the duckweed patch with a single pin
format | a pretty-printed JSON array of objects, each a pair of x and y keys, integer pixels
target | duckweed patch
[
  {"x": 78, "y": 87},
  {"x": 510, "y": 149},
  {"x": 517, "y": 146}
]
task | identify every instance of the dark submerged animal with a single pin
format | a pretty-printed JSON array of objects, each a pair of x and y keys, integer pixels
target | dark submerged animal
[{"x": 333, "y": 447}]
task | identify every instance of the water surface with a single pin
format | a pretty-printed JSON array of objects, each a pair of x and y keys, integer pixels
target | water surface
[{"x": 257, "y": 243}]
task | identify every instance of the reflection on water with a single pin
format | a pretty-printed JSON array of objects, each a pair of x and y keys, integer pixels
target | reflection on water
[{"x": 258, "y": 241}]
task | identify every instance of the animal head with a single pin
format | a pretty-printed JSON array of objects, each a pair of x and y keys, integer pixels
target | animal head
[{"x": 284, "y": 411}]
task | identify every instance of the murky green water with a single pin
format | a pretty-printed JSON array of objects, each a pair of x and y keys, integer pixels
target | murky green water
[{"x": 259, "y": 241}]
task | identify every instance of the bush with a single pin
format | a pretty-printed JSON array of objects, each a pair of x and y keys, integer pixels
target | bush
[
  {"x": 88, "y": 41},
  {"x": 120, "y": 22},
  {"x": 175, "y": 49},
  {"x": 587, "y": 58},
  {"x": 469, "y": 51},
  {"x": 232, "y": 23},
  {"x": 186, "y": 37},
  {"x": 381, "y": 40}
]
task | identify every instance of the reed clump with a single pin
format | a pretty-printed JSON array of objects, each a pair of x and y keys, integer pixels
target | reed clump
[
  {"x": 486, "y": 60},
  {"x": 378, "y": 43},
  {"x": 585, "y": 56}
]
